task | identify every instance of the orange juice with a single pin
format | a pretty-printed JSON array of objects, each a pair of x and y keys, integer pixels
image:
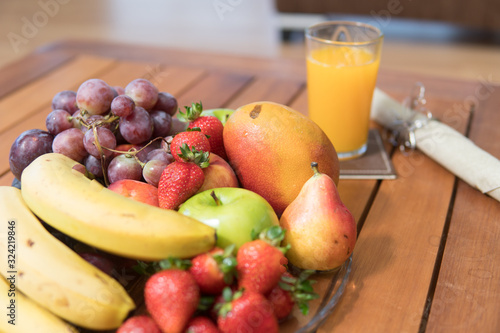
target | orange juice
[{"x": 341, "y": 81}]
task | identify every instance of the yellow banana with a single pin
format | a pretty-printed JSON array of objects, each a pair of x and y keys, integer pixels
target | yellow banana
[
  {"x": 51, "y": 274},
  {"x": 25, "y": 316},
  {"x": 87, "y": 211}
]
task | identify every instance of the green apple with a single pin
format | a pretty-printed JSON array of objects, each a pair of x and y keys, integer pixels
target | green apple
[
  {"x": 235, "y": 213},
  {"x": 221, "y": 114}
]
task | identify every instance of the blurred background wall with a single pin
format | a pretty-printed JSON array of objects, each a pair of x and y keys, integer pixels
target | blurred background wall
[{"x": 458, "y": 38}]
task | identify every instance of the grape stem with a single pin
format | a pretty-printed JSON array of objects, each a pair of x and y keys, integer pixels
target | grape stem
[
  {"x": 132, "y": 152},
  {"x": 110, "y": 118},
  {"x": 101, "y": 155}
]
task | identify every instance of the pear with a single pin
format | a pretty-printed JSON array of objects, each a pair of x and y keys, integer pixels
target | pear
[{"x": 319, "y": 228}]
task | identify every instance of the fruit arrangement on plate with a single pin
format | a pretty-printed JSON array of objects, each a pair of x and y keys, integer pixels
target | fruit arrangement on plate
[{"x": 219, "y": 218}]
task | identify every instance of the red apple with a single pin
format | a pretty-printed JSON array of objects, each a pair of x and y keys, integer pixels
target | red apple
[
  {"x": 218, "y": 174},
  {"x": 136, "y": 190}
]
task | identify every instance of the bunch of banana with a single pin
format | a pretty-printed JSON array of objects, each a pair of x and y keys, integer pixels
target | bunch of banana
[
  {"x": 85, "y": 210},
  {"x": 35, "y": 318},
  {"x": 53, "y": 275}
]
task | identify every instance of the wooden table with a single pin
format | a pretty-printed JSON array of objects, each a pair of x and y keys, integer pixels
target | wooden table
[{"x": 427, "y": 257}]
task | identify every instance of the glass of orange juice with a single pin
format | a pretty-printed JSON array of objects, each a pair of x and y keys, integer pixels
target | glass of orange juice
[{"x": 342, "y": 64}]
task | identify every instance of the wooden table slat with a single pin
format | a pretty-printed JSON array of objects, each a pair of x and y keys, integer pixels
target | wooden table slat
[
  {"x": 34, "y": 65},
  {"x": 214, "y": 90},
  {"x": 174, "y": 79},
  {"x": 400, "y": 239},
  {"x": 267, "y": 89},
  {"x": 467, "y": 295}
]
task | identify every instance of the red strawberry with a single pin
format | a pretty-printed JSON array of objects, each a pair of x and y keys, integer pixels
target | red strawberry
[
  {"x": 209, "y": 125},
  {"x": 138, "y": 324},
  {"x": 171, "y": 297},
  {"x": 180, "y": 180},
  {"x": 212, "y": 127},
  {"x": 281, "y": 301},
  {"x": 201, "y": 324},
  {"x": 290, "y": 291},
  {"x": 214, "y": 270},
  {"x": 218, "y": 301},
  {"x": 246, "y": 311},
  {"x": 193, "y": 139},
  {"x": 261, "y": 262}
]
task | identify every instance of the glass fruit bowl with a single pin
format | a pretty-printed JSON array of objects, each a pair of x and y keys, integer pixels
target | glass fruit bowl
[{"x": 329, "y": 286}]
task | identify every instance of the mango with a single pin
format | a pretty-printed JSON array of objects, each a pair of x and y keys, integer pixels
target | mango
[{"x": 270, "y": 147}]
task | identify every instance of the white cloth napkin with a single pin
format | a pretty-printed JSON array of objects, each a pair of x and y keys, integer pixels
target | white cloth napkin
[{"x": 445, "y": 145}]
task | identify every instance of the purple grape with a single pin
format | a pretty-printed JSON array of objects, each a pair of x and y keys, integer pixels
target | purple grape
[
  {"x": 122, "y": 106},
  {"x": 94, "y": 96},
  {"x": 142, "y": 155},
  {"x": 152, "y": 171},
  {"x": 65, "y": 100},
  {"x": 160, "y": 154},
  {"x": 77, "y": 119},
  {"x": 177, "y": 126},
  {"x": 120, "y": 140},
  {"x": 124, "y": 167},
  {"x": 101, "y": 119},
  {"x": 70, "y": 143},
  {"x": 94, "y": 166},
  {"x": 99, "y": 261},
  {"x": 143, "y": 92},
  {"x": 80, "y": 168},
  {"x": 137, "y": 127},
  {"x": 119, "y": 90},
  {"x": 57, "y": 121},
  {"x": 165, "y": 143},
  {"x": 162, "y": 123},
  {"x": 105, "y": 138},
  {"x": 27, "y": 147},
  {"x": 166, "y": 102},
  {"x": 115, "y": 93}
]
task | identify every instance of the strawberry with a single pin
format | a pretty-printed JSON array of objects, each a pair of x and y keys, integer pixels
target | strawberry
[
  {"x": 290, "y": 291},
  {"x": 171, "y": 297},
  {"x": 218, "y": 301},
  {"x": 201, "y": 324},
  {"x": 209, "y": 125},
  {"x": 214, "y": 270},
  {"x": 246, "y": 311},
  {"x": 193, "y": 139},
  {"x": 260, "y": 263},
  {"x": 137, "y": 324},
  {"x": 180, "y": 180},
  {"x": 281, "y": 301}
]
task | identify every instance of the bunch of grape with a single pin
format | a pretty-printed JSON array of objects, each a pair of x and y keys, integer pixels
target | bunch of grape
[{"x": 115, "y": 132}]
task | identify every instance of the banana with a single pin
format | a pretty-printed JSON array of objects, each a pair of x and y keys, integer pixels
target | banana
[
  {"x": 27, "y": 316},
  {"x": 54, "y": 276},
  {"x": 89, "y": 212}
]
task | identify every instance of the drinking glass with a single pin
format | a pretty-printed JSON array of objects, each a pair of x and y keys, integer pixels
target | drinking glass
[{"x": 342, "y": 64}]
